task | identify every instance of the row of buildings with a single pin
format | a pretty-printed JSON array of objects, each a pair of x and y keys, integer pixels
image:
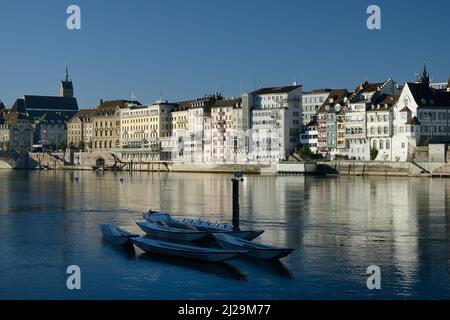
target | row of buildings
[
  {"x": 383, "y": 121},
  {"x": 380, "y": 121},
  {"x": 38, "y": 120},
  {"x": 262, "y": 126}
]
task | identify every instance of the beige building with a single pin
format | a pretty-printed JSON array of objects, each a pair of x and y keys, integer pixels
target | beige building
[
  {"x": 106, "y": 124},
  {"x": 16, "y": 134},
  {"x": 4, "y": 137},
  {"x": 144, "y": 126},
  {"x": 80, "y": 129}
]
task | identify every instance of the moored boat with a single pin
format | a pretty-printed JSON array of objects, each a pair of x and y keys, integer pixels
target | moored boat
[
  {"x": 163, "y": 231},
  {"x": 254, "y": 250},
  {"x": 201, "y": 225},
  {"x": 116, "y": 235},
  {"x": 186, "y": 251}
]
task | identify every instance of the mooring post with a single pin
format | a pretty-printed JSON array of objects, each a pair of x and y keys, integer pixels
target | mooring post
[{"x": 235, "y": 180}]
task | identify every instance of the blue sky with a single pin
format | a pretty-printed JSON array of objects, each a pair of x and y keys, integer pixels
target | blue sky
[{"x": 192, "y": 48}]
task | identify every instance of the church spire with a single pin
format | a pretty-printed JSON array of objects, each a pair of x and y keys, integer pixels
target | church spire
[
  {"x": 66, "y": 88},
  {"x": 66, "y": 76},
  {"x": 424, "y": 78}
]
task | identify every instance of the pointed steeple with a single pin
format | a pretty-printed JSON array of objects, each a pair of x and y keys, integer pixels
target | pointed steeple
[
  {"x": 66, "y": 77},
  {"x": 66, "y": 88},
  {"x": 424, "y": 78}
]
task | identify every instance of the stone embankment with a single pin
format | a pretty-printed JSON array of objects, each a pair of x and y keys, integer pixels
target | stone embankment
[{"x": 380, "y": 168}]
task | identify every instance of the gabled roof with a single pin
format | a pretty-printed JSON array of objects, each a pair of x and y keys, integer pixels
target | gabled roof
[
  {"x": 312, "y": 123},
  {"x": 429, "y": 97},
  {"x": 337, "y": 96},
  {"x": 275, "y": 90},
  {"x": 413, "y": 121},
  {"x": 318, "y": 91},
  {"x": 405, "y": 109},
  {"x": 51, "y": 103},
  {"x": 19, "y": 106},
  {"x": 383, "y": 102},
  {"x": 227, "y": 103},
  {"x": 13, "y": 116},
  {"x": 120, "y": 103},
  {"x": 84, "y": 113}
]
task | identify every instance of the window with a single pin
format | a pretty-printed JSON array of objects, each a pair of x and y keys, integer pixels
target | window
[
  {"x": 403, "y": 145},
  {"x": 381, "y": 145},
  {"x": 388, "y": 144}
]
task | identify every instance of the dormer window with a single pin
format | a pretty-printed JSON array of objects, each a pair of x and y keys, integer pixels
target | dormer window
[{"x": 406, "y": 101}]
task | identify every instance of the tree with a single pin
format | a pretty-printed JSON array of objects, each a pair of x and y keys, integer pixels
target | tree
[
  {"x": 62, "y": 145},
  {"x": 373, "y": 154},
  {"x": 305, "y": 153},
  {"x": 81, "y": 146}
]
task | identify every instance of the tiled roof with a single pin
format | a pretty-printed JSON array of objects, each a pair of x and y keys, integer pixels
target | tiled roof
[
  {"x": 227, "y": 103},
  {"x": 337, "y": 96},
  {"x": 112, "y": 104},
  {"x": 384, "y": 102},
  {"x": 429, "y": 97},
  {"x": 13, "y": 116},
  {"x": 19, "y": 106},
  {"x": 405, "y": 109},
  {"x": 274, "y": 90},
  {"x": 312, "y": 123},
  {"x": 52, "y": 103},
  {"x": 413, "y": 121}
]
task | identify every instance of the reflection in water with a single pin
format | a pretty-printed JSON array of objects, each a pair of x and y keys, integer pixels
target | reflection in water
[
  {"x": 338, "y": 226},
  {"x": 223, "y": 270},
  {"x": 127, "y": 250}
]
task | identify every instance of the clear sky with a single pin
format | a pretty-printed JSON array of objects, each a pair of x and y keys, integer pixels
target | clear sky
[{"x": 192, "y": 48}]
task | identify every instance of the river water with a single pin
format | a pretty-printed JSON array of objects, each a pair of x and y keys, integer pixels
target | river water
[{"x": 338, "y": 226}]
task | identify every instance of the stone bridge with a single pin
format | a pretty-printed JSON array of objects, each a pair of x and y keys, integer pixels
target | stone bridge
[{"x": 8, "y": 160}]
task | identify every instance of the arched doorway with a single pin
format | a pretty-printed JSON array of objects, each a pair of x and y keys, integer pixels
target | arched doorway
[{"x": 100, "y": 163}]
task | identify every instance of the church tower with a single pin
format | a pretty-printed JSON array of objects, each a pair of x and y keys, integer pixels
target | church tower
[
  {"x": 424, "y": 78},
  {"x": 66, "y": 89}
]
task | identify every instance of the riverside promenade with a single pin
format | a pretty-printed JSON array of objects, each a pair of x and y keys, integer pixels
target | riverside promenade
[{"x": 106, "y": 161}]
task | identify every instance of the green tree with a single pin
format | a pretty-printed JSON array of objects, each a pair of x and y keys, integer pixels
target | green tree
[
  {"x": 373, "y": 154},
  {"x": 305, "y": 153},
  {"x": 62, "y": 145},
  {"x": 52, "y": 146},
  {"x": 81, "y": 146}
]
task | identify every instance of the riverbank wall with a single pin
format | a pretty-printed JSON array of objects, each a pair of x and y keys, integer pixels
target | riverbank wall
[
  {"x": 382, "y": 168},
  {"x": 97, "y": 160}
]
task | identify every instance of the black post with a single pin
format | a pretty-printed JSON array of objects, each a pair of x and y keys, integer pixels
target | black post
[{"x": 236, "y": 179}]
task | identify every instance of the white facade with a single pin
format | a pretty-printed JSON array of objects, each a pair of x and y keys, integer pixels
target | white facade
[
  {"x": 420, "y": 116},
  {"x": 310, "y": 137},
  {"x": 311, "y": 102},
  {"x": 356, "y": 131},
  {"x": 274, "y": 123},
  {"x": 379, "y": 132}
]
